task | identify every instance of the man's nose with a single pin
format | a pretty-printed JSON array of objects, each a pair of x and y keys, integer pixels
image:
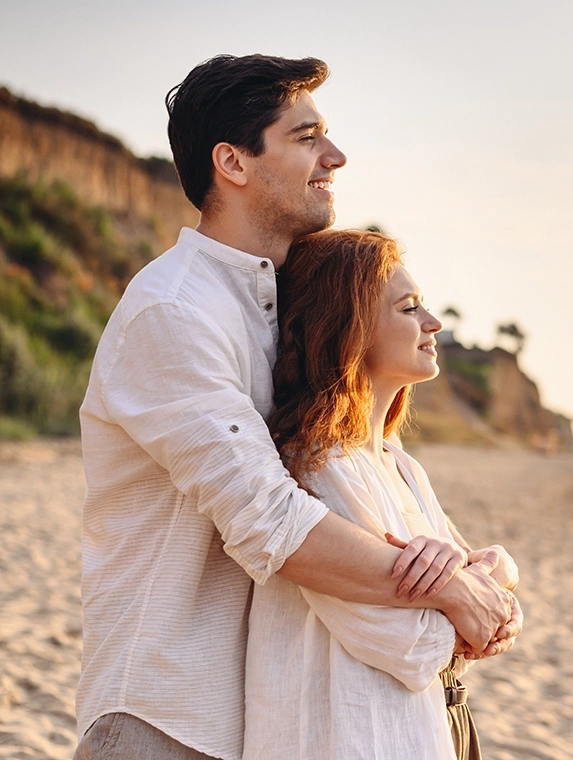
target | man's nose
[{"x": 333, "y": 158}]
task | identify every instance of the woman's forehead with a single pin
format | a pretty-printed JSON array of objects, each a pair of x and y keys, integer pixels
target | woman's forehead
[{"x": 400, "y": 283}]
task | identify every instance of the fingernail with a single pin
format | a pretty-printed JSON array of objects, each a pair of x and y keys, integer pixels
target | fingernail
[
  {"x": 397, "y": 572},
  {"x": 403, "y": 589},
  {"x": 432, "y": 591},
  {"x": 495, "y": 650},
  {"x": 415, "y": 594}
]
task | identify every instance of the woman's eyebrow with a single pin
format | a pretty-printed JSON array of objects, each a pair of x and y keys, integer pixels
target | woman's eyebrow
[{"x": 414, "y": 296}]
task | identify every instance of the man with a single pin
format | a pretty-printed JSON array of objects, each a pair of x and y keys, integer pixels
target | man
[{"x": 187, "y": 497}]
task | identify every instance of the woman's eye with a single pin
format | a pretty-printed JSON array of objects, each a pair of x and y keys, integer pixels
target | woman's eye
[
  {"x": 412, "y": 308},
  {"x": 307, "y": 138}
]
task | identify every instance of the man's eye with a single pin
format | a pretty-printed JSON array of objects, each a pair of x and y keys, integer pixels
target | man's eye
[{"x": 307, "y": 138}]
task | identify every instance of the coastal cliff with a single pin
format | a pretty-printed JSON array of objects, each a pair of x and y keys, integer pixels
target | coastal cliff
[
  {"x": 484, "y": 397},
  {"x": 46, "y": 144},
  {"x": 80, "y": 215}
]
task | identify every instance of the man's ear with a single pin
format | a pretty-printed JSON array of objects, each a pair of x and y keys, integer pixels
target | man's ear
[{"x": 229, "y": 163}]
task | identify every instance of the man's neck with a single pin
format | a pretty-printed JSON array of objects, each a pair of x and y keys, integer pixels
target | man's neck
[{"x": 254, "y": 241}]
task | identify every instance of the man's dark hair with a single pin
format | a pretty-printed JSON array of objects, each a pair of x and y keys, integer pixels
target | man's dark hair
[{"x": 231, "y": 99}]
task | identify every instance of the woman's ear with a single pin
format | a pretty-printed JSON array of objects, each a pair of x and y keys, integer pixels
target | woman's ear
[{"x": 229, "y": 163}]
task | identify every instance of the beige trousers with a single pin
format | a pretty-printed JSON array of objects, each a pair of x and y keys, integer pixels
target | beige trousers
[
  {"x": 119, "y": 736},
  {"x": 462, "y": 726}
]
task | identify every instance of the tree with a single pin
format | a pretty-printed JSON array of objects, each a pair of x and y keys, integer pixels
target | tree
[
  {"x": 513, "y": 331},
  {"x": 452, "y": 319},
  {"x": 451, "y": 311},
  {"x": 375, "y": 228}
]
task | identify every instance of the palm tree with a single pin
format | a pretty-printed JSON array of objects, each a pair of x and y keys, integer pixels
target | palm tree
[
  {"x": 450, "y": 312},
  {"x": 513, "y": 331},
  {"x": 376, "y": 228},
  {"x": 452, "y": 319}
]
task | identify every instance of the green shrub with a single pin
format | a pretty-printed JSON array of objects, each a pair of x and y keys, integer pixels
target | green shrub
[
  {"x": 73, "y": 334},
  {"x": 13, "y": 299},
  {"x": 63, "y": 267},
  {"x": 12, "y": 429},
  {"x": 20, "y": 380},
  {"x": 475, "y": 373}
]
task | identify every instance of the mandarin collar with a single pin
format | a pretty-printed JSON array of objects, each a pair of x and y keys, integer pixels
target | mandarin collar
[{"x": 224, "y": 253}]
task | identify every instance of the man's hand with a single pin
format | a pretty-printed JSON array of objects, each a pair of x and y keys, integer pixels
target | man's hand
[
  {"x": 506, "y": 635},
  {"x": 478, "y": 608},
  {"x": 504, "y": 639},
  {"x": 505, "y": 571},
  {"x": 429, "y": 563}
]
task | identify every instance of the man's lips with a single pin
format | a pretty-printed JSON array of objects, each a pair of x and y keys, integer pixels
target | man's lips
[{"x": 320, "y": 184}]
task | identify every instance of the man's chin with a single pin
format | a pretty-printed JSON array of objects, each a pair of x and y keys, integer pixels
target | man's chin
[{"x": 318, "y": 223}]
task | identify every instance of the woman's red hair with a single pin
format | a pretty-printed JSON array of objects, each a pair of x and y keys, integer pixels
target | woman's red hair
[{"x": 328, "y": 292}]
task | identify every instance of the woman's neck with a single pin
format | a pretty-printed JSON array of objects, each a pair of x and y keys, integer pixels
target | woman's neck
[{"x": 382, "y": 401}]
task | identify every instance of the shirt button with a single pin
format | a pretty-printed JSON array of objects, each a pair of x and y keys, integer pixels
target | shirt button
[
  {"x": 268, "y": 306},
  {"x": 234, "y": 428},
  {"x": 264, "y": 264}
]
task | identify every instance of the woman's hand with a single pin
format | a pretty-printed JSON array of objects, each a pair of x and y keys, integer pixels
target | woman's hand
[
  {"x": 429, "y": 563},
  {"x": 505, "y": 572}
]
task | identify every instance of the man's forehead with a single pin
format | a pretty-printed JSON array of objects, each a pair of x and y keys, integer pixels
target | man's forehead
[{"x": 302, "y": 114}]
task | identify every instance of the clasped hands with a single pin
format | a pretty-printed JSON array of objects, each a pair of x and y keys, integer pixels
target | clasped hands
[{"x": 427, "y": 564}]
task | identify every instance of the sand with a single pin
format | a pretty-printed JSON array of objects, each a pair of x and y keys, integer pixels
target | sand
[{"x": 522, "y": 701}]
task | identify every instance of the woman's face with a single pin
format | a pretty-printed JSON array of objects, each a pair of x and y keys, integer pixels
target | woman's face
[{"x": 403, "y": 348}]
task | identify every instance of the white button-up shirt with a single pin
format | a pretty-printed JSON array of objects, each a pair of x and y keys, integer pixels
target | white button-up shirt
[
  {"x": 335, "y": 680},
  {"x": 187, "y": 497}
]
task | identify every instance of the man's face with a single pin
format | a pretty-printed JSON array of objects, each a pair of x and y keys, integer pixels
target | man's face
[{"x": 289, "y": 183}]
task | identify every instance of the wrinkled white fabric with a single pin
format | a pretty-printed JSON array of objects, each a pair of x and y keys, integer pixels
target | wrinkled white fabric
[
  {"x": 334, "y": 680},
  {"x": 187, "y": 496}
]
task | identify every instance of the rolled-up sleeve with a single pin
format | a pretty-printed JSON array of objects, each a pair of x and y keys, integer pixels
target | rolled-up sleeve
[{"x": 191, "y": 412}]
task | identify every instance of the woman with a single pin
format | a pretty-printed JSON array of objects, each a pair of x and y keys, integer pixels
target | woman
[{"x": 328, "y": 679}]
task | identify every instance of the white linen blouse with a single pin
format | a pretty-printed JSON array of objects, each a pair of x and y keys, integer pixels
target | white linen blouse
[{"x": 333, "y": 680}]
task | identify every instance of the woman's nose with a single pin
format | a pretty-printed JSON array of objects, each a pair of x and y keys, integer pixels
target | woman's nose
[{"x": 433, "y": 324}]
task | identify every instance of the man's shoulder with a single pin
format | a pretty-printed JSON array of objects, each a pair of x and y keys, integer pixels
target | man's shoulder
[{"x": 182, "y": 276}]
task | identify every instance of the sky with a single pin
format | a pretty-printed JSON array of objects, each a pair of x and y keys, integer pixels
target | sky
[{"x": 456, "y": 118}]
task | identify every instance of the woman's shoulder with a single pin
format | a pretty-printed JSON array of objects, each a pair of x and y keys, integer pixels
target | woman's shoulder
[
  {"x": 338, "y": 464},
  {"x": 394, "y": 444},
  {"x": 349, "y": 485}
]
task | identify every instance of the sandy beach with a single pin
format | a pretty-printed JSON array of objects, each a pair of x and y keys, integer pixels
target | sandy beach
[{"x": 522, "y": 701}]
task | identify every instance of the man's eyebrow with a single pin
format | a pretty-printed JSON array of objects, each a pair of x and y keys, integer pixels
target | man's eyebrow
[
  {"x": 413, "y": 296},
  {"x": 308, "y": 125}
]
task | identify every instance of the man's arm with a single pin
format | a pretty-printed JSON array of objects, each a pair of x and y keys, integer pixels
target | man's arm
[
  {"x": 500, "y": 567},
  {"x": 343, "y": 560}
]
